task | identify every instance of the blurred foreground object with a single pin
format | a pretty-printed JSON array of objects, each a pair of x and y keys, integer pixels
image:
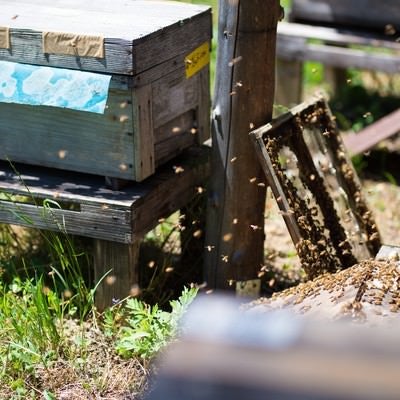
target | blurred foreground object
[
  {"x": 228, "y": 353},
  {"x": 367, "y": 293}
]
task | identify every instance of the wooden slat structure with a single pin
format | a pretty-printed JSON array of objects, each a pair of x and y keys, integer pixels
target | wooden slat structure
[
  {"x": 316, "y": 188},
  {"x": 354, "y": 13},
  {"x": 116, "y": 219},
  {"x": 339, "y": 34}
]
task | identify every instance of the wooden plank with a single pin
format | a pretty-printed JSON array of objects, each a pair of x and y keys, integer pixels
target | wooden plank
[
  {"x": 361, "y": 13},
  {"x": 182, "y": 124},
  {"x": 244, "y": 95},
  {"x": 203, "y": 122},
  {"x": 65, "y": 186},
  {"x": 27, "y": 48},
  {"x": 340, "y": 36},
  {"x": 99, "y": 212},
  {"x": 100, "y": 223},
  {"x": 173, "y": 95},
  {"x": 116, "y": 266},
  {"x": 142, "y": 116},
  {"x": 173, "y": 146},
  {"x": 384, "y": 128},
  {"x": 69, "y": 139},
  {"x": 172, "y": 190},
  {"x": 136, "y": 36},
  {"x": 165, "y": 44},
  {"x": 338, "y": 56}
]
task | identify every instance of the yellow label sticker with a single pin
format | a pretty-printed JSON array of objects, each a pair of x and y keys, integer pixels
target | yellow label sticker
[{"x": 197, "y": 59}]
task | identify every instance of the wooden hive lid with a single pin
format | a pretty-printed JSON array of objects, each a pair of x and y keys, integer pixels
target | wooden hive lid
[{"x": 135, "y": 34}]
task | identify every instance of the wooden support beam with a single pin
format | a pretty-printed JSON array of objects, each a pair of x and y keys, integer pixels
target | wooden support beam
[
  {"x": 244, "y": 95},
  {"x": 115, "y": 264}
]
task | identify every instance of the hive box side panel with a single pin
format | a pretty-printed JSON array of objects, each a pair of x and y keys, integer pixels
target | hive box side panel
[
  {"x": 69, "y": 139},
  {"x": 165, "y": 44},
  {"x": 181, "y": 113}
]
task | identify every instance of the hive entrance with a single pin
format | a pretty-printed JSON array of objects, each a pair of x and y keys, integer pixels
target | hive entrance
[{"x": 317, "y": 189}]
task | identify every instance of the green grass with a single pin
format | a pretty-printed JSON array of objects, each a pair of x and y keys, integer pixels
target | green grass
[{"x": 48, "y": 319}]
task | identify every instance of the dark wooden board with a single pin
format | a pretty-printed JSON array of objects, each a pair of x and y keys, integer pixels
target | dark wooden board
[
  {"x": 335, "y": 49},
  {"x": 373, "y": 14},
  {"x": 88, "y": 208}
]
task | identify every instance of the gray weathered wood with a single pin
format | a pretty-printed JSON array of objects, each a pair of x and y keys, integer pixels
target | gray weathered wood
[
  {"x": 342, "y": 36},
  {"x": 203, "y": 106},
  {"x": 141, "y": 128},
  {"x": 384, "y": 128},
  {"x": 294, "y": 47},
  {"x": 364, "y": 13},
  {"x": 62, "y": 138},
  {"x": 173, "y": 95},
  {"x": 243, "y": 99},
  {"x": 142, "y": 116},
  {"x": 338, "y": 56},
  {"x": 90, "y": 209},
  {"x": 137, "y": 35},
  {"x": 115, "y": 267}
]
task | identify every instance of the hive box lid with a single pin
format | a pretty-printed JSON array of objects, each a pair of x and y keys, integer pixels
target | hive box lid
[{"x": 119, "y": 36}]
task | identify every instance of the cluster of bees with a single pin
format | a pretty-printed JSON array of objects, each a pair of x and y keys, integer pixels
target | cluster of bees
[{"x": 364, "y": 291}]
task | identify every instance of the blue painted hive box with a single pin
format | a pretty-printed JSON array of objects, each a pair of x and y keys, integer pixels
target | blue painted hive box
[{"x": 113, "y": 88}]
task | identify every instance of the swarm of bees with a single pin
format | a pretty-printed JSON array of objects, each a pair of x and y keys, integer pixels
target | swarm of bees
[{"x": 361, "y": 293}]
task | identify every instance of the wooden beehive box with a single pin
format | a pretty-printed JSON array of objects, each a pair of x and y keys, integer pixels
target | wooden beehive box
[{"x": 151, "y": 59}]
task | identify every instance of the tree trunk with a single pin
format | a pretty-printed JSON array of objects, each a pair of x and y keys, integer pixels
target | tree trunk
[{"x": 243, "y": 100}]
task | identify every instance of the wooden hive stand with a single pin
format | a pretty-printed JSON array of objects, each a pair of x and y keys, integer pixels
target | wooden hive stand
[
  {"x": 340, "y": 34},
  {"x": 115, "y": 220}
]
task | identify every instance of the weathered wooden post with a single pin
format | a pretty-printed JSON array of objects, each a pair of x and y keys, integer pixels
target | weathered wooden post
[{"x": 243, "y": 100}]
